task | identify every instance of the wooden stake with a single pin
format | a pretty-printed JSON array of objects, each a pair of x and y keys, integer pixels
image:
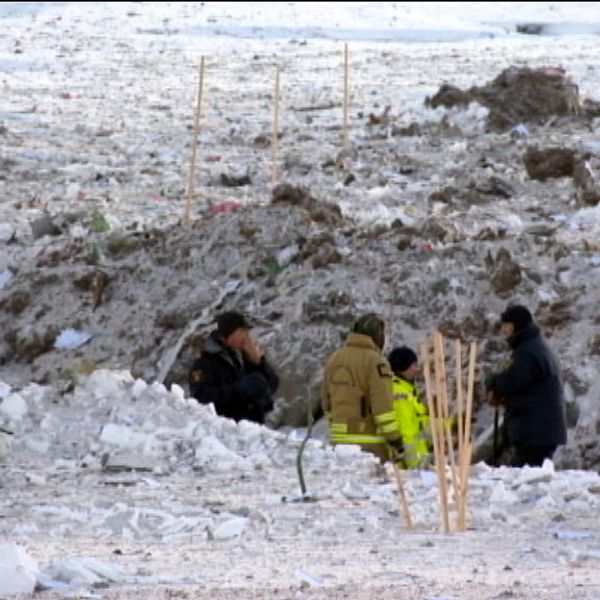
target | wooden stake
[
  {"x": 440, "y": 463},
  {"x": 275, "y": 141},
  {"x": 468, "y": 446},
  {"x": 461, "y": 426},
  {"x": 403, "y": 499},
  {"x": 440, "y": 383},
  {"x": 446, "y": 415},
  {"x": 190, "y": 186},
  {"x": 459, "y": 395},
  {"x": 345, "y": 123}
]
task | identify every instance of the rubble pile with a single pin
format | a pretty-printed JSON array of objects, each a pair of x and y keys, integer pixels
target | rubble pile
[{"x": 518, "y": 95}]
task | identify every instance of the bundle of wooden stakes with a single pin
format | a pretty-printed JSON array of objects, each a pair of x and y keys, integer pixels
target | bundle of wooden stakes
[{"x": 448, "y": 410}]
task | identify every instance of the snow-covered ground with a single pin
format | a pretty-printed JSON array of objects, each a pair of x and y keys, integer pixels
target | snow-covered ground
[
  {"x": 215, "y": 505},
  {"x": 96, "y": 112}
]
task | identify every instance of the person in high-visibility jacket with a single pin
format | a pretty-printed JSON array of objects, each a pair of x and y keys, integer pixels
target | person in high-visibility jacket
[
  {"x": 356, "y": 393},
  {"x": 411, "y": 413}
]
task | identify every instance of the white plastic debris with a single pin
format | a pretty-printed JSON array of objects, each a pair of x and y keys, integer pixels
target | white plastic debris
[
  {"x": 70, "y": 339},
  {"x": 18, "y": 571}
]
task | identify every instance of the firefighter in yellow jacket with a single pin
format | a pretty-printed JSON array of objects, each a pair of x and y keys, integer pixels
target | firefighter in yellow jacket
[
  {"x": 411, "y": 414},
  {"x": 356, "y": 393}
]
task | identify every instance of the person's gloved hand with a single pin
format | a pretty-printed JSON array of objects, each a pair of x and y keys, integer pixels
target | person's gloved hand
[
  {"x": 253, "y": 385},
  {"x": 397, "y": 446},
  {"x": 265, "y": 403}
]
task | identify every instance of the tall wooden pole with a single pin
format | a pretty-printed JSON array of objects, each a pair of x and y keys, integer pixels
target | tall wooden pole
[
  {"x": 190, "y": 186},
  {"x": 403, "y": 499},
  {"x": 459, "y": 395},
  {"x": 468, "y": 446},
  {"x": 445, "y": 413},
  {"x": 440, "y": 462},
  {"x": 460, "y": 425},
  {"x": 345, "y": 123},
  {"x": 438, "y": 358},
  {"x": 275, "y": 140}
]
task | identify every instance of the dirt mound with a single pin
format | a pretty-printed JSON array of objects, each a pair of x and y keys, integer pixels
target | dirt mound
[
  {"x": 517, "y": 95},
  {"x": 303, "y": 279}
]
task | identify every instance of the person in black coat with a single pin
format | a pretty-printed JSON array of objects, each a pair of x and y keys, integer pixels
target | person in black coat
[
  {"x": 232, "y": 372},
  {"x": 531, "y": 391}
]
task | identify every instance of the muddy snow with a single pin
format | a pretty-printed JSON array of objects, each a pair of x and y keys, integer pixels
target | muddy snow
[{"x": 470, "y": 180}]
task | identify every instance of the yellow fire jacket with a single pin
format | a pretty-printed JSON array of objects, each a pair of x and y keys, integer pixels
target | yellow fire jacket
[
  {"x": 356, "y": 396},
  {"x": 412, "y": 417}
]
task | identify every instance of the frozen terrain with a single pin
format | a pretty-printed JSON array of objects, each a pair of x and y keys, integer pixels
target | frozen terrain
[{"x": 118, "y": 487}]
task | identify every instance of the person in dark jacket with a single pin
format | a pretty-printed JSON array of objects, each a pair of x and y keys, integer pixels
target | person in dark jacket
[
  {"x": 232, "y": 372},
  {"x": 531, "y": 391}
]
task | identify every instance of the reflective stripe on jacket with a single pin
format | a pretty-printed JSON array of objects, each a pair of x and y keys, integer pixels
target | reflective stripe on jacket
[
  {"x": 356, "y": 394},
  {"x": 412, "y": 420}
]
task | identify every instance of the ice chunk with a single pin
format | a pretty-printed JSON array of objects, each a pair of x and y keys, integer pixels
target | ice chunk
[
  {"x": 501, "y": 495},
  {"x": 120, "y": 435},
  {"x": 4, "y": 390},
  {"x": 5, "y": 277},
  {"x": 212, "y": 453},
  {"x": 139, "y": 385},
  {"x": 18, "y": 571},
  {"x": 308, "y": 579},
  {"x": 84, "y": 571},
  {"x": 13, "y": 406},
  {"x": 229, "y": 529}
]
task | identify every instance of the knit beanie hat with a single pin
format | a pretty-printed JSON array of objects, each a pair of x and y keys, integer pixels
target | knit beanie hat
[
  {"x": 518, "y": 315},
  {"x": 402, "y": 358}
]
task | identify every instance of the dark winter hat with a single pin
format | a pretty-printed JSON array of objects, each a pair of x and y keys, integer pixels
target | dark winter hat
[
  {"x": 518, "y": 315},
  {"x": 402, "y": 358},
  {"x": 370, "y": 324},
  {"x": 228, "y": 322}
]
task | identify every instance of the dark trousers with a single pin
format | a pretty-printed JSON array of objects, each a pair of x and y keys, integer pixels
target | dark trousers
[{"x": 531, "y": 455}]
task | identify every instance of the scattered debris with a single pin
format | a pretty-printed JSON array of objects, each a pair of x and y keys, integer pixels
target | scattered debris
[
  {"x": 586, "y": 179},
  {"x": 71, "y": 339},
  {"x": 18, "y": 571},
  {"x": 549, "y": 163},
  {"x": 505, "y": 273},
  {"x": 517, "y": 95},
  {"x": 5, "y": 277}
]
